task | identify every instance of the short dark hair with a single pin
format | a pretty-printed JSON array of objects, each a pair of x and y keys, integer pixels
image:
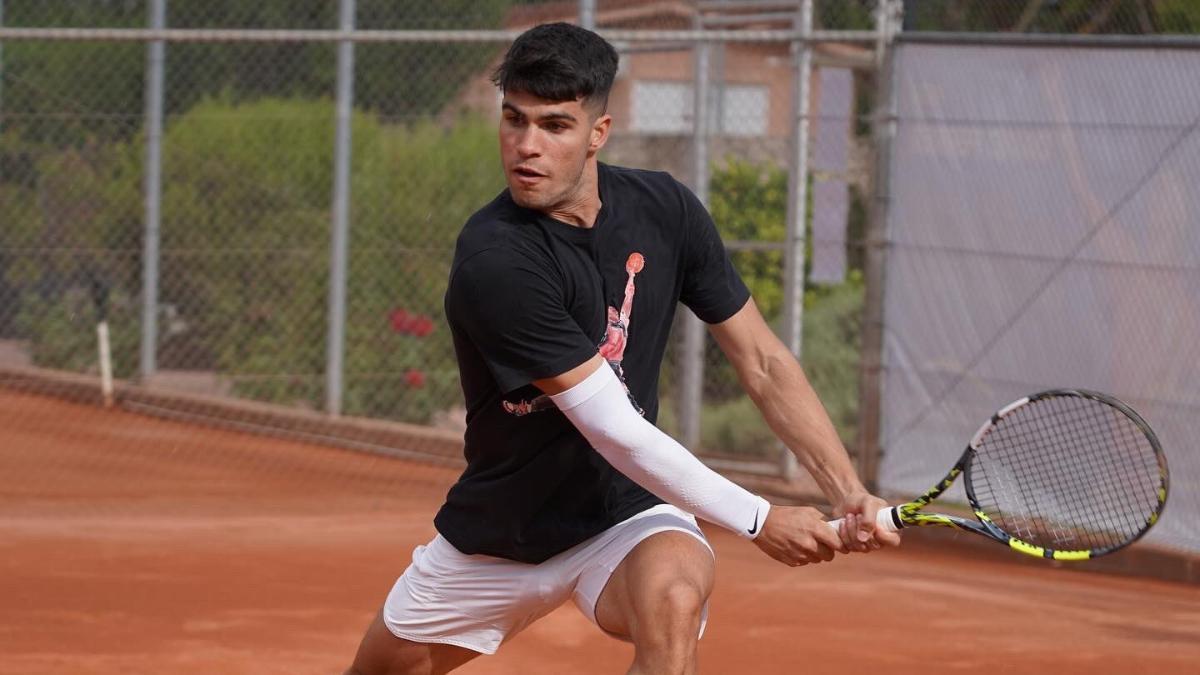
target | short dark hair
[{"x": 560, "y": 62}]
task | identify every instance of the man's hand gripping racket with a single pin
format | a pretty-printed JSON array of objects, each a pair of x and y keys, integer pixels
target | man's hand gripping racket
[{"x": 1064, "y": 475}]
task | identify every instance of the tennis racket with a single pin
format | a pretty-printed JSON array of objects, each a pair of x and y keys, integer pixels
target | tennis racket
[{"x": 1066, "y": 474}]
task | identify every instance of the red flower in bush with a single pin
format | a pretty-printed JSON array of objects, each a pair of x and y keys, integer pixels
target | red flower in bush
[
  {"x": 410, "y": 324},
  {"x": 414, "y": 378},
  {"x": 400, "y": 320},
  {"x": 422, "y": 326}
]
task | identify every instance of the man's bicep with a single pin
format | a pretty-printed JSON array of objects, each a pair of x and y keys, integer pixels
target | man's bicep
[{"x": 712, "y": 287}]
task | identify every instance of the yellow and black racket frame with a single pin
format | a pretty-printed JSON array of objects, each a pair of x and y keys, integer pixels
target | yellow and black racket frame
[{"x": 910, "y": 515}]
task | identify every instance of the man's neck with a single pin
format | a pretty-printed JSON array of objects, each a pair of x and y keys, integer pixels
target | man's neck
[{"x": 583, "y": 207}]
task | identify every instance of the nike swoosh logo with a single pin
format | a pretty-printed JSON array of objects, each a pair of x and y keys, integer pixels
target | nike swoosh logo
[{"x": 754, "y": 528}]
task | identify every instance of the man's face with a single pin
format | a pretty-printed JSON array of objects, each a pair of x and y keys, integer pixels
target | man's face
[{"x": 544, "y": 146}]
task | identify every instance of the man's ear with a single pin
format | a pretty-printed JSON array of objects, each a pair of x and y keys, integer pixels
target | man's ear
[{"x": 599, "y": 133}]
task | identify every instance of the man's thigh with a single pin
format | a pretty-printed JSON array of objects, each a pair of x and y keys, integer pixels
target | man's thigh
[
  {"x": 472, "y": 601},
  {"x": 382, "y": 653},
  {"x": 665, "y": 562}
]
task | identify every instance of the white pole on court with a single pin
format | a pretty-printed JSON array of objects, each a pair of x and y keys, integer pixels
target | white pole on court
[{"x": 106, "y": 376}]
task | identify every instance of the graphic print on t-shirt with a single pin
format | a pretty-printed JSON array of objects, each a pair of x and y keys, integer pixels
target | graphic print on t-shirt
[{"x": 612, "y": 345}]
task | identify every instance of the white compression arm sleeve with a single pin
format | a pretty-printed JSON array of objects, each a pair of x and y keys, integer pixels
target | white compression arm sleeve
[{"x": 599, "y": 407}]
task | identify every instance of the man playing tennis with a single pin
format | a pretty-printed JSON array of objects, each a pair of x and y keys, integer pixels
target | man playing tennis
[{"x": 561, "y": 296}]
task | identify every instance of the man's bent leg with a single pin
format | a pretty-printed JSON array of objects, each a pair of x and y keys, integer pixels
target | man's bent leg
[
  {"x": 656, "y": 597},
  {"x": 382, "y": 653}
]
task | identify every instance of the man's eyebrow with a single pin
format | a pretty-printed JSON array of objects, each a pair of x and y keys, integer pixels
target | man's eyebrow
[{"x": 555, "y": 115}]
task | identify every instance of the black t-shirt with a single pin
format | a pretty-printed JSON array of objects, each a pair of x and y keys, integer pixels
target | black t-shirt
[{"x": 531, "y": 297}]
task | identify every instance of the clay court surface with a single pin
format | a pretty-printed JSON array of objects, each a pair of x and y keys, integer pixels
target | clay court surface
[{"x": 137, "y": 545}]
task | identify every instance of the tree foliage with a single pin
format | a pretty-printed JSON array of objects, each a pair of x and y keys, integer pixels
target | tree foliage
[
  {"x": 64, "y": 91},
  {"x": 1128, "y": 17},
  {"x": 748, "y": 201}
]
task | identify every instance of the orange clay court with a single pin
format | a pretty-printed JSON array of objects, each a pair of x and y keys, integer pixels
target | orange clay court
[{"x": 137, "y": 545}]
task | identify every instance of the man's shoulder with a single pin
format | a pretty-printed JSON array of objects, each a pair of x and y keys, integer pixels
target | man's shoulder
[
  {"x": 655, "y": 194},
  {"x": 498, "y": 224},
  {"x": 624, "y": 177},
  {"x": 495, "y": 216},
  {"x": 496, "y": 236}
]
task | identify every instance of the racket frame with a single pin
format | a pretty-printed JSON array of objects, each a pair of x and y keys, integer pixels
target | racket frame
[{"x": 910, "y": 514}]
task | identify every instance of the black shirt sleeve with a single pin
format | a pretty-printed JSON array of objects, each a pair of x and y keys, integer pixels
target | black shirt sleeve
[
  {"x": 512, "y": 310},
  {"x": 712, "y": 288}
]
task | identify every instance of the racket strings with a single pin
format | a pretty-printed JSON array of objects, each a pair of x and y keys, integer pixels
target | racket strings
[
  {"x": 1107, "y": 486},
  {"x": 1100, "y": 489},
  {"x": 1068, "y": 473},
  {"x": 1098, "y": 423},
  {"x": 1026, "y": 521},
  {"x": 1140, "y": 485},
  {"x": 1086, "y": 485}
]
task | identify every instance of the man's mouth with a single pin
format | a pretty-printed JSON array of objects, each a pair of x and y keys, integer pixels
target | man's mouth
[{"x": 528, "y": 173}]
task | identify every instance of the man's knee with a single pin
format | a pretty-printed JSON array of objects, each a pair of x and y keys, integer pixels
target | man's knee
[
  {"x": 672, "y": 614},
  {"x": 682, "y": 599}
]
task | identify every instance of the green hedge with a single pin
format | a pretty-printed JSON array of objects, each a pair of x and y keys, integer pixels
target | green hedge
[
  {"x": 245, "y": 259},
  {"x": 245, "y": 242}
]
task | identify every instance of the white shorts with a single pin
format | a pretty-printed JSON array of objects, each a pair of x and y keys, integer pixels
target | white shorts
[{"x": 479, "y": 601}]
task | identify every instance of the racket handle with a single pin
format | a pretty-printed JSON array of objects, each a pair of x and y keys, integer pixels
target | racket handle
[{"x": 885, "y": 519}]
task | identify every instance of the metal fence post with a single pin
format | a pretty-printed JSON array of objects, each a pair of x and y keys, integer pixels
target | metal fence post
[
  {"x": 155, "y": 58},
  {"x": 870, "y": 389},
  {"x": 692, "y": 358},
  {"x": 797, "y": 206},
  {"x": 587, "y": 14},
  {"x": 1, "y": 68},
  {"x": 341, "y": 217}
]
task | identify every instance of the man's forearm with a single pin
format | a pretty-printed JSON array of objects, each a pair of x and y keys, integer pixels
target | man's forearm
[
  {"x": 790, "y": 406},
  {"x": 777, "y": 385}
]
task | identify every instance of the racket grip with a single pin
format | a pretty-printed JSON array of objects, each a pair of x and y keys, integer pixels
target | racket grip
[{"x": 884, "y": 519}]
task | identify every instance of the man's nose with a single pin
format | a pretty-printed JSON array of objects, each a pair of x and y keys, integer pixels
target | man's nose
[{"x": 527, "y": 142}]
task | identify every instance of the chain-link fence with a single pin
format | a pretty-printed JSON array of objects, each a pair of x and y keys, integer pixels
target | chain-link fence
[
  {"x": 1042, "y": 234},
  {"x": 204, "y": 240},
  {"x": 267, "y": 243}
]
